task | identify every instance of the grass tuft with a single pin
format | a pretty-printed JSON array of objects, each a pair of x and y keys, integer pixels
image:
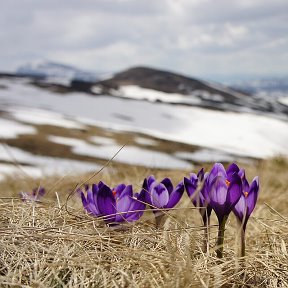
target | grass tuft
[{"x": 50, "y": 244}]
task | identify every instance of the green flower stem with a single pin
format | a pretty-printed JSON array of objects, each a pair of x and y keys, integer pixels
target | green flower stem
[
  {"x": 241, "y": 239},
  {"x": 158, "y": 219},
  {"x": 243, "y": 244},
  {"x": 220, "y": 239},
  {"x": 206, "y": 235}
]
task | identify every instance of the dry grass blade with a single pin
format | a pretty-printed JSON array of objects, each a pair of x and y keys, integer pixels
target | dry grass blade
[{"x": 44, "y": 246}]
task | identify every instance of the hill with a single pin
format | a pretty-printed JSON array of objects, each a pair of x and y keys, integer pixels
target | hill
[
  {"x": 49, "y": 127},
  {"x": 146, "y": 83}
]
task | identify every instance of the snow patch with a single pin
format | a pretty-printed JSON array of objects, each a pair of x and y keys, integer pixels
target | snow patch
[
  {"x": 136, "y": 92},
  {"x": 64, "y": 140},
  {"x": 283, "y": 101},
  {"x": 10, "y": 169},
  {"x": 40, "y": 165},
  {"x": 56, "y": 72},
  {"x": 145, "y": 141},
  {"x": 11, "y": 129},
  {"x": 205, "y": 155},
  {"x": 102, "y": 140},
  {"x": 129, "y": 154},
  {"x": 42, "y": 117},
  {"x": 133, "y": 155},
  {"x": 206, "y": 95}
]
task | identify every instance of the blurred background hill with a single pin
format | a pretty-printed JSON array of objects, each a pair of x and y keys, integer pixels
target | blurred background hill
[{"x": 177, "y": 83}]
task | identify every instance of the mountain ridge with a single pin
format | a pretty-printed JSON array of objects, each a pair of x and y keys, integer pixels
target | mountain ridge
[
  {"x": 156, "y": 85},
  {"x": 210, "y": 95},
  {"x": 54, "y": 70}
]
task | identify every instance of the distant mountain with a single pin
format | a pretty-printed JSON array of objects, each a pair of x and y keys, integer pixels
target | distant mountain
[
  {"x": 56, "y": 72},
  {"x": 192, "y": 91},
  {"x": 270, "y": 86},
  {"x": 153, "y": 85}
]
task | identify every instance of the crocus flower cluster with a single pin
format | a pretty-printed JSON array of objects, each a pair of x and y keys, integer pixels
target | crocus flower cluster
[
  {"x": 219, "y": 190},
  {"x": 223, "y": 191},
  {"x": 115, "y": 205},
  {"x": 33, "y": 196}
]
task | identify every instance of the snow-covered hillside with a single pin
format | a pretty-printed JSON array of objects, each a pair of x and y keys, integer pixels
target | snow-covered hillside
[
  {"x": 55, "y": 72},
  {"x": 156, "y": 85},
  {"x": 268, "y": 85},
  {"x": 213, "y": 135}
]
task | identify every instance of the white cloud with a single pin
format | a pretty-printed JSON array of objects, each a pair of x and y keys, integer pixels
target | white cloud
[{"x": 190, "y": 36}]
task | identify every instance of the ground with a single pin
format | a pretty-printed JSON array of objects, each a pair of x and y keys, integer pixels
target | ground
[{"x": 56, "y": 244}]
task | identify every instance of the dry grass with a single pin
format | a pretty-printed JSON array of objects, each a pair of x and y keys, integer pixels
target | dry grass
[
  {"x": 51, "y": 244},
  {"x": 39, "y": 143}
]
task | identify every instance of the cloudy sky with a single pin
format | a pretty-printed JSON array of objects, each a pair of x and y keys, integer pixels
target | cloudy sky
[{"x": 218, "y": 40}]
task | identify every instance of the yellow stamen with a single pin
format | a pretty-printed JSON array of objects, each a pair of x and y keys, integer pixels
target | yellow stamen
[
  {"x": 227, "y": 182},
  {"x": 245, "y": 194}
]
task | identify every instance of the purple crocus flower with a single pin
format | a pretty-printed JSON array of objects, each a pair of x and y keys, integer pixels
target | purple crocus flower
[
  {"x": 248, "y": 199},
  {"x": 90, "y": 200},
  {"x": 246, "y": 205},
  {"x": 194, "y": 186},
  {"x": 116, "y": 205},
  {"x": 34, "y": 196},
  {"x": 161, "y": 195},
  {"x": 223, "y": 189}
]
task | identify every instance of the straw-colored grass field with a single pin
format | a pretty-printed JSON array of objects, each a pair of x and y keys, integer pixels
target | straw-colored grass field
[{"x": 56, "y": 244}]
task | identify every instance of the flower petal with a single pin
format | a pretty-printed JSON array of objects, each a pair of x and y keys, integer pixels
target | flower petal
[
  {"x": 106, "y": 202},
  {"x": 217, "y": 196},
  {"x": 232, "y": 169},
  {"x": 218, "y": 190},
  {"x": 191, "y": 184},
  {"x": 168, "y": 184},
  {"x": 217, "y": 170},
  {"x": 138, "y": 206},
  {"x": 195, "y": 179},
  {"x": 101, "y": 184},
  {"x": 37, "y": 193},
  {"x": 245, "y": 184},
  {"x": 200, "y": 174},
  {"x": 95, "y": 189},
  {"x": 146, "y": 191},
  {"x": 159, "y": 195},
  {"x": 234, "y": 192},
  {"x": 117, "y": 190},
  {"x": 176, "y": 195},
  {"x": 84, "y": 202},
  {"x": 146, "y": 187},
  {"x": 241, "y": 173},
  {"x": 252, "y": 195},
  {"x": 123, "y": 203},
  {"x": 205, "y": 188},
  {"x": 92, "y": 206},
  {"x": 151, "y": 179},
  {"x": 240, "y": 207}
]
